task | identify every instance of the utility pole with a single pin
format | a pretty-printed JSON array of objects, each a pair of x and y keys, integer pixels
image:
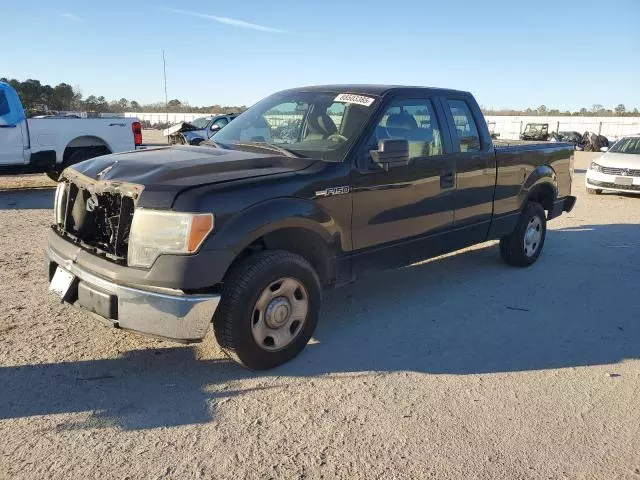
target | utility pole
[{"x": 166, "y": 99}]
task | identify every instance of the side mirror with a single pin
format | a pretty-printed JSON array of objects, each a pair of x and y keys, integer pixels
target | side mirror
[
  {"x": 604, "y": 149},
  {"x": 215, "y": 127},
  {"x": 391, "y": 152}
]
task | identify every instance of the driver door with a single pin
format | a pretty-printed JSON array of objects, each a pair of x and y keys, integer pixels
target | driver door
[{"x": 397, "y": 212}]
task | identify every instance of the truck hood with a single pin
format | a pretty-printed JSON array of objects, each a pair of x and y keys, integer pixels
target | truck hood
[{"x": 163, "y": 172}]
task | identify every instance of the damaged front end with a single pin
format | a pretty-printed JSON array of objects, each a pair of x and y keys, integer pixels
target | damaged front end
[
  {"x": 96, "y": 214},
  {"x": 179, "y": 134}
]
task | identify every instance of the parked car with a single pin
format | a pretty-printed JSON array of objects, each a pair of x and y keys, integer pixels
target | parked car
[
  {"x": 197, "y": 131},
  {"x": 618, "y": 169},
  {"x": 535, "y": 131},
  {"x": 53, "y": 143},
  {"x": 593, "y": 142},
  {"x": 575, "y": 138},
  {"x": 246, "y": 233}
]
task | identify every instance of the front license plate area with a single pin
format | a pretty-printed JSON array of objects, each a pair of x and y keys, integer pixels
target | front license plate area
[
  {"x": 61, "y": 282},
  {"x": 624, "y": 181}
]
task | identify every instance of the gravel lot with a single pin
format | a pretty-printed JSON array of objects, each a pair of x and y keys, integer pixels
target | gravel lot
[{"x": 457, "y": 368}]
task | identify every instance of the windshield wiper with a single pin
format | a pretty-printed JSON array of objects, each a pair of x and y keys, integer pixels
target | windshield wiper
[{"x": 268, "y": 146}]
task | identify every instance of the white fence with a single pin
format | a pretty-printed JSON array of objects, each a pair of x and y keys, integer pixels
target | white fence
[
  {"x": 509, "y": 127},
  {"x": 172, "y": 118}
]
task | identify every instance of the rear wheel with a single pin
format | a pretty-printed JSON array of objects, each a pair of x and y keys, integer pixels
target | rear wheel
[
  {"x": 523, "y": 246},
  {"x": 269, "y": 309},
  {"x": 76, "y": 157}
]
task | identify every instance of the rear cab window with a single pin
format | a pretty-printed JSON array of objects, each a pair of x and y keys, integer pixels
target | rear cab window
[{"x": 466, "y": 127}]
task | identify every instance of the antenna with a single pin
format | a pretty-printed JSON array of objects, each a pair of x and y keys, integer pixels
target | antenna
[{"x": 166, "y": 99}]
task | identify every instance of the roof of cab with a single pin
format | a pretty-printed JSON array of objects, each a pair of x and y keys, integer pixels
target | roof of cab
[{"x": 376, "y": 90}]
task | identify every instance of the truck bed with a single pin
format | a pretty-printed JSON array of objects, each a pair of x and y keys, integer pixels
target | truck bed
[{"x": 517, "y": 160}]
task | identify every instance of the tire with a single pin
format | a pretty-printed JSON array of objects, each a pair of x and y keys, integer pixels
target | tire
[
  {"x": 594, "y": 191},
  {"x": 76, "y": 157},
  {"x": 520, "y": 248},
  {"x": 238, "y": 316}
]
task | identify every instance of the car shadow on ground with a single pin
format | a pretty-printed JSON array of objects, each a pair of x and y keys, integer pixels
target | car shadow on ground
[
  {"x": 37, "y": 199},
  {"x": 461, "y": 314}
]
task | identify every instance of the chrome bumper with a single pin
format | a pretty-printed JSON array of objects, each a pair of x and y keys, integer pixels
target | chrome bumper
[
  {"x": 165, "y": 313},
  {"x": 604, "y": 181}
]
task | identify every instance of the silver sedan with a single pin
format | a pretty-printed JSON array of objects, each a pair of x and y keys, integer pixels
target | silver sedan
[{"x": 618, "y": 169}]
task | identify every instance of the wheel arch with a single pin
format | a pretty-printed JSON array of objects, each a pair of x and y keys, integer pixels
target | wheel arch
[
  {"x": 85, "y": 141},
  {"x": 293, "y": 225},
  {"x": 541, "y": 187}
]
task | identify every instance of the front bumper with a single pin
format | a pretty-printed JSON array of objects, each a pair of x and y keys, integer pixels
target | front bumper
[
  {"x": 603, "y": 181},
  {"x": 159, "y": 312}
]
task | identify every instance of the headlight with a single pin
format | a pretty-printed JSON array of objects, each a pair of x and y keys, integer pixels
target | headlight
[
  {"x": 156, "y": 232},
  {"x": 59, "y": 202},
  {"x": 595, "y": 167}
]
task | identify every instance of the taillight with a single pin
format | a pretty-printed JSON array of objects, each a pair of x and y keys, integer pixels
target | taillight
[{"x": 137, "y": 133}]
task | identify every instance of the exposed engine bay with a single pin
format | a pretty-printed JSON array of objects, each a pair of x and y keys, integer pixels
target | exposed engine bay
[{"x": 99, "y": 221}]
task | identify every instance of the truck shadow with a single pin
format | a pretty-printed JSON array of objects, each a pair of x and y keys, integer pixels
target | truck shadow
[
  {"x": 462, "y": 314},
  {"x": 37, "y": 199},
  {"x": 470, "y": 314}
]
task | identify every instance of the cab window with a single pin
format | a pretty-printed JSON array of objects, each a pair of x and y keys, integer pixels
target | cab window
[
  {"x": 415, "y": 121},
  {"x": 221, "y": 122},
  {"x": 4, "y": 104},
  {"x": 465, "y": 126}
]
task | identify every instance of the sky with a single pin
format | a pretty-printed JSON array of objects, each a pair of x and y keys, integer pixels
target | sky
[{"x": 565, "y": 54}]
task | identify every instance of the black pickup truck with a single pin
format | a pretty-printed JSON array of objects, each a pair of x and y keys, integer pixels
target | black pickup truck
[{"x": 310, "y": 188}]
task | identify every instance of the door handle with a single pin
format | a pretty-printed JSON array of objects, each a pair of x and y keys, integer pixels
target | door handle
[{"x": 447, "y": 180}]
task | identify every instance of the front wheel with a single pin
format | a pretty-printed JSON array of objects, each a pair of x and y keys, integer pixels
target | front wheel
[
  {"x": 269, "y": 309},
  {"x": 523, "y": 246}
]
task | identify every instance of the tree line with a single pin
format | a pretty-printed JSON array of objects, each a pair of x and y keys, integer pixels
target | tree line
[
  {"x": 596, "y": 110},
  {"x": 40, "y": 99}
]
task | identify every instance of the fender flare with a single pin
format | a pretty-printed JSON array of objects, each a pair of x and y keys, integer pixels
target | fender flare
[
  {"x": 542, "y": 177},
  {"x": 258, "y": 220}
]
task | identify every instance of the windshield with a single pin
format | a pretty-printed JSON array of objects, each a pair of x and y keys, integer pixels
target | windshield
[
  {"x": 201, "y": 123},
  {"x": 320, "y": 125},
  {"x": 627, "y": 145},
  {"x": 534, "y": 128}
]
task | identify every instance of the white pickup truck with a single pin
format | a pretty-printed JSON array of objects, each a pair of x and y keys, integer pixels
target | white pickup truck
[{"x": 52, "y": 144}]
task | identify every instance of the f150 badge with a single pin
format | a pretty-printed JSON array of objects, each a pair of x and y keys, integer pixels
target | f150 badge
[{"x": 331, "y": 191}]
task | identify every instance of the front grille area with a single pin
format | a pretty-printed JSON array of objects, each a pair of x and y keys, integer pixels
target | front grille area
[
  {"x": 621, "y": 171},
  {"x": 98, "y": 221},
  {"x": 596, "y": 183}
]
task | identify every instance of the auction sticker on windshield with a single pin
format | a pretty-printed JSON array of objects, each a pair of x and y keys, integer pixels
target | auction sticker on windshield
[{"x": 357, "y": 99}]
